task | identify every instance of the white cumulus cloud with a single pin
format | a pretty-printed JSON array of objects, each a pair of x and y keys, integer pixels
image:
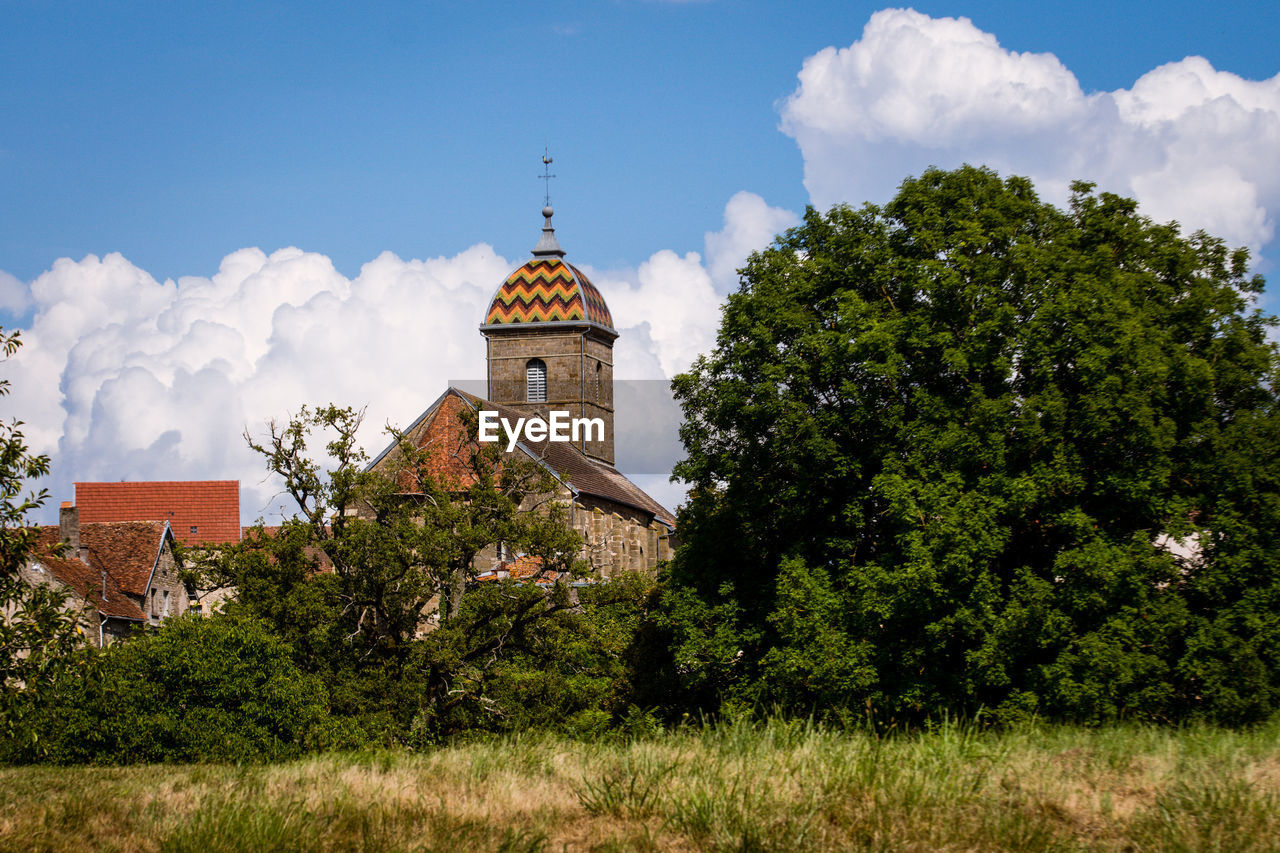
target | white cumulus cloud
[
  {"x": 675, "y": 300},
  {"x": 122, "y": 376},
  {"x": 14, "y": 298},
  {"x": 1190, "y": 142},
  {"x": 749, "y": 225}
]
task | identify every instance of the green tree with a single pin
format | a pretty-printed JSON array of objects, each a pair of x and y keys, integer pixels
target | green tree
[
  {"x": 568, "y": 670},
  {"x": 372, "y": 559},
  {"x": 37, "y": 633},
  {"x": 940, "y": 443}
]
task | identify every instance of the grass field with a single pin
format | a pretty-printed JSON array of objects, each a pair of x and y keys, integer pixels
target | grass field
[{"x": 773, "y": 786}]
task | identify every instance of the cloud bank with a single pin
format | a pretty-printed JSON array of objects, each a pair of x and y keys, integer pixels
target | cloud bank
[
  {"x": 122, "y": 376},
  {"x": 1192, "y": 143},
  {"x": 126, "y": 377}
]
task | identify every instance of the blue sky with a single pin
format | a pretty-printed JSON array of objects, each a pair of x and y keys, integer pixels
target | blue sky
[
  {"x": 197, "y": 197},
  {"x": 175, "y": 133}
]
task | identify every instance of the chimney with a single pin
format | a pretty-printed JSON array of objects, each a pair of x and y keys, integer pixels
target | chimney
[{"x": 69, "y": 527}]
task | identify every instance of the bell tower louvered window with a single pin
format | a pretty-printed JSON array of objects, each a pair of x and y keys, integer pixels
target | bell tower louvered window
[{"x": 535, "y": 381}]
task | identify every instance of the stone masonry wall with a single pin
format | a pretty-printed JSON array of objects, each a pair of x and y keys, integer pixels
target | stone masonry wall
[
  {"x": 579, "y": 377},
  {"x": 618, "y": 538},
  {"x": 168, "y": 596}
]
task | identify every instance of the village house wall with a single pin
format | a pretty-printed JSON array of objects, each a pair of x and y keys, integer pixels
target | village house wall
[
  {"x": 168, "y": 594},
  {"x": 618, "y": 538},
  {"x": 615, "y": 538},
  {"x": 207, "y": 602},
  {"x": 35, "y": 573}
]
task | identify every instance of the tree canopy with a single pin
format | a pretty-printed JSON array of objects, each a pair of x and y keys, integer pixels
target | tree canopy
[
  {"x": 969, "y": 451},
  {"x": 37, "y": 630},
  {"x": 375, "y": 587}
]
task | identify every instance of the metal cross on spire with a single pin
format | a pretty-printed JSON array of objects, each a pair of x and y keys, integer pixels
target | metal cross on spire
[{"x": 546, "y": 173}]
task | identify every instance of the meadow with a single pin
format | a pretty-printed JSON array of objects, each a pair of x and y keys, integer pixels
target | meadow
[{"x": 775, "y": 786}]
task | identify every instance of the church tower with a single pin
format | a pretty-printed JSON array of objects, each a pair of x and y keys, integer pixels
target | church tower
[{"x": 549, "y": 339}]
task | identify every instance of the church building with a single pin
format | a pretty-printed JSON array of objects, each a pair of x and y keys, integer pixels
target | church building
[{"x": 549, "y": 348}]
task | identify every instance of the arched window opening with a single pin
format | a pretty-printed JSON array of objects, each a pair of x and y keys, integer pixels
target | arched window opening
[
  {"x": 535, "y": 381},
  {"x": 598, "y": 365}
]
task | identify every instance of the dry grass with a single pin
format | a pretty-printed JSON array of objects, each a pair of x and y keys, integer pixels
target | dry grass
[{"x": 775, "y": 786}]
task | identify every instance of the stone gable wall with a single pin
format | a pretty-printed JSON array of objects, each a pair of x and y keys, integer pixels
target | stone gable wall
[
  {"x": 166, "y": 589},
  {"x": 33, "y": 573}
]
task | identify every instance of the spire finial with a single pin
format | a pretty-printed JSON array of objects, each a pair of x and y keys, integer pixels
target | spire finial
[
  {"x": 546, "y": 173},
  {"x": 547, "y": 246}
]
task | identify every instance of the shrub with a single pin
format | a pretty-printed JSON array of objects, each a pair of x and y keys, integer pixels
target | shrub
[{"x": 196, "y": 689}]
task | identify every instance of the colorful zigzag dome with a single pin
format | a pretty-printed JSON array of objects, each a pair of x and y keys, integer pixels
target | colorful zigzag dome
[{"x": 548, "y": 290}]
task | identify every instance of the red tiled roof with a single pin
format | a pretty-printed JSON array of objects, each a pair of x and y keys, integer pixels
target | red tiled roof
[
  {"x": 88, "y": 581},
  {"x": 586, "y": 474},
  {"x": 256, "y": 534},
  {"x": 126, "y": 549},
  {"x": 522, "y": 568},
  {"x": 569, "y": 463},
  {"x": 200, "y": 512},
  {"x": 449, "y": 447}
]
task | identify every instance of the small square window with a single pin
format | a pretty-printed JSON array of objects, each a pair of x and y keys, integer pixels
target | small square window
[{"x": 194, "y": 529}]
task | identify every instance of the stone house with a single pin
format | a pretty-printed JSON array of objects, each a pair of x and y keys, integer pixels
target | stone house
[
  {"x": 549, "y": 342},
  {"x": 103, "y": 612},
  {"x": 118, "y": 575},
  {"x": 621, "y": 526},
  {"x": 203, "y": 513}
]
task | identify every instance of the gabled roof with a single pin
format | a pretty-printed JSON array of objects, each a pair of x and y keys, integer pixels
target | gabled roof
[
  {"x": 103, "y": 592},
  {"x": 566, "y": 461},
  {"x": 128, "y": 550},
  {"x": 201, "y": 512},
  {"x": 444, "y": 441}
]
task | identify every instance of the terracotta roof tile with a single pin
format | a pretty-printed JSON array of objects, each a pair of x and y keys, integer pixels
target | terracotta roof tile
[
  {"x": 210, "y": 507},
  {"x": 126, "y": 549},
  {"x": 586, "y": 474},
  {"x": 566, "y": 460},
  {"x": 103, "y": 592},
  {"x": 522, "y": 568}
]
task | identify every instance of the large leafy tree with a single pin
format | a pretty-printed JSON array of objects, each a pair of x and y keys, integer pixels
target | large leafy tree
[
  {"x": 37, "y": 631},
  {"x": 945, "y": 451},
  {"x": 396, "y": 541},
  {"x": 373, "y": 560}
]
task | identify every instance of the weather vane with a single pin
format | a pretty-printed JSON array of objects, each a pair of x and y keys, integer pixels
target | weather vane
[{"x": 546, "y": 173}]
